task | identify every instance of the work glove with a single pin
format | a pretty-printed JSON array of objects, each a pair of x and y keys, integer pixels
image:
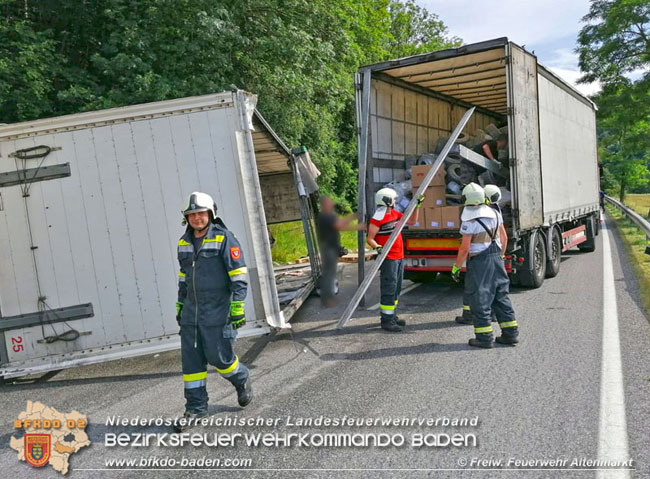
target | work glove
[
  {"x": 236, "y": 316},
  {"x": 455, "y": 273},
  {"x": 179, "y": 309},
  {"x": 378, "y": 249},
  {"x": 420, "y": 199}
]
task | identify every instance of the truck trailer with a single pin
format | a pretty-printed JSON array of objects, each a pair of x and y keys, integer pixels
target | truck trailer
[
  {"x": 408, "y": 106},
  {"x": 90, "y": 219}
]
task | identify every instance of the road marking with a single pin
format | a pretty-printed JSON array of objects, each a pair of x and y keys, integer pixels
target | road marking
[
  {"x": 612, "y": 433},
  {"x": 404, "y": 291}
]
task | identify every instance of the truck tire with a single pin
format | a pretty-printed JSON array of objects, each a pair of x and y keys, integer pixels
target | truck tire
[
  {"x": 533, "y": 269},
  {"x": 555, "y": 256},
  {"x": 589, "y": 245}
]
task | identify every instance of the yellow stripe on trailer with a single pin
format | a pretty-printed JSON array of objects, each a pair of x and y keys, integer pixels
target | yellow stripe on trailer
[{"x": 432, "y": 243}]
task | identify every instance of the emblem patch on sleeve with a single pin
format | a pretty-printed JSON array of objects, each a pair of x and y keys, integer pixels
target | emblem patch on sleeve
[{"x": 235, "y": 253}]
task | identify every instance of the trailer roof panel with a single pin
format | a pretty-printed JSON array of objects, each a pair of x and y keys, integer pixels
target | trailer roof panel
[{"x": 472, "y": 75}]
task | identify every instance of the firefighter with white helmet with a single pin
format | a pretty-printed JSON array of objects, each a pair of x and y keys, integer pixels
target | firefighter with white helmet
[
  {"x": 382, "y": 224},
  {"x": 492, "y": 198},
  {"x": 486, "y": 282},
  {"x": 210, "y": 308}
]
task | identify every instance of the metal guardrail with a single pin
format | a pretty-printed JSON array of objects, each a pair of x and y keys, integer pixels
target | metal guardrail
[{"x": 639, "y": 220}]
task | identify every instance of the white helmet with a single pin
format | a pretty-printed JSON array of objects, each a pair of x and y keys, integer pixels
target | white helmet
[
  {"x": 473, "y": 194},
  {"x": 198, "y": 201},
  {"x": 385, "y": 197},
  {"x": 492, "y": 194}
]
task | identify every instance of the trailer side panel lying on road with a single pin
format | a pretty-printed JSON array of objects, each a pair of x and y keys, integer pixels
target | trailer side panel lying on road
[{"x": 90, "y": 257}]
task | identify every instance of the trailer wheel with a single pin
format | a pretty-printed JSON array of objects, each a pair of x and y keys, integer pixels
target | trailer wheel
[
  {"x": 555, "y": 258},
  {"x": 589, "y": 245},
  {"x": 535, "y": 255}
]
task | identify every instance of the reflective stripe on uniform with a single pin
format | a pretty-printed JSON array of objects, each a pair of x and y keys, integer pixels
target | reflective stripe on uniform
[
  {"x": 181, "y": 277},
  {"x": 485, "y": 329},
  {"x": 216, "y": 239},
  {"x": 230, "y": 370},
  {"x": 396, "y": 301},
  {"x": 184, "y": 246},
  {"x": 212, "y": 243},
  {"x": 508, "y": 324},
  {"x": 195, "y": 380},
  {"x": 238, "y": 274},
  {"x": 466, "y": 307},
  {"x": 388, "y": 309}
]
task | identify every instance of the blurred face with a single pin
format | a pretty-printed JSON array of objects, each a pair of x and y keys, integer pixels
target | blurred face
[
  {"x": 327, "y": 204},
  {"x": 199, "y": 221}
]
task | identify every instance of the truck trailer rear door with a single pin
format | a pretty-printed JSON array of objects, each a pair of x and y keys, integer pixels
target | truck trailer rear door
[{"x": 523, "y": 129}]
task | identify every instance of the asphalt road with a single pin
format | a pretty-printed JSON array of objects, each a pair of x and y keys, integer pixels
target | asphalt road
[{"x": 538, "y": 401}]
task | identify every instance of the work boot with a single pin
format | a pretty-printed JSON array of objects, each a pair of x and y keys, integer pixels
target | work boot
[
  {"x": 245, "y": 393},
  {"x": 464, "y": 320},
  {"x": 187, "y": 421},
  {"x": 400, "y": 322},
  {"x": 391, "y": 326},
  {"x": 481, "y": 344},
  {"x": 507, "y": 340}
]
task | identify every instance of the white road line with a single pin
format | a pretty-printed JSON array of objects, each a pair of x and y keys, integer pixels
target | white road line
[
  {"x": 612, "y": 434},
  {"x": 404, "y": 291}
]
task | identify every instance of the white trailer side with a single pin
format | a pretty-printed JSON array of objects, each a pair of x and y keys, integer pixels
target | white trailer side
[
  {"x": 567, "y": 123},
  {"x": 96, "y": 246}
]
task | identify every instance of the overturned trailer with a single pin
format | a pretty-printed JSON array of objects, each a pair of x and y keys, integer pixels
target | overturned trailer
[{"x": 90, "y": 219}]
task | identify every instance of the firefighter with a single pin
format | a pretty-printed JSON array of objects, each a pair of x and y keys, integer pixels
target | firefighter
[
  {"x": 210, "y": 308},
  {"x": 381, "y": 226},
  {"x": 487, "y": 283},
  {"x": 492, "y": 198}
]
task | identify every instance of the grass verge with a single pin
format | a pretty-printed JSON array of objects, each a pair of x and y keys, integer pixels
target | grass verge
[
  {"x": 639, "y": 203},
  {"x": 290, "y": 242},
  {"x": 635, "y": 241}
]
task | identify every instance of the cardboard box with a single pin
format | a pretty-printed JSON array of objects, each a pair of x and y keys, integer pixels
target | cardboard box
[
  {"x": 420, "y": 171},
  {"x": 434, "y": 196},
  {"x": 451, "y": 217},
  {"x": 433, "y": 218}
]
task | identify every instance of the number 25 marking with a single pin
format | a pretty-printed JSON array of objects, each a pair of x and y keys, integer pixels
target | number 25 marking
[{"x": 16, "y": 342}]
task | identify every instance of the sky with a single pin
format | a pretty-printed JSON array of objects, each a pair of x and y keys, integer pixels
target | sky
[{"x": 547, "y": 27}]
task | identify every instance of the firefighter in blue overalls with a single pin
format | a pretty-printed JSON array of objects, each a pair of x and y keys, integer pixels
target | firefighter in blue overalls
[
  {"x": 492, "y": 198},
  {"x": 211, "y": 290},
  {"x": 382, "y": 224},
  {"x": 484, "y": 242}
]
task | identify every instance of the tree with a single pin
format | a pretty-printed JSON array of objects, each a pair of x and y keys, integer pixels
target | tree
[
  {"x": 616, "y": 39},
  {"x": 614, "y": 43},
  {"x": 415, "y": 30},
  {"x": 624, "y": 134},
  {"x": 299, "y": 56},
  {"x": 28, "y": 64}
]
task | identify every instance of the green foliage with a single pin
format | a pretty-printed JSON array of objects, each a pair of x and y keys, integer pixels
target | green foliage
[
  {"x": 624, "y": 140},
  {"x": 615, "y": 40},
  {"x": 290, "y": 242},
  {"x": 614, "y": 43},
  {"x": 299, "y": 56},
  {"x": 415, "y": 30}
]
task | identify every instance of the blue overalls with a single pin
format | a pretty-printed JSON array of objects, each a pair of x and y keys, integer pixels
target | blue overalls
[
  {"x": 208, "y": 281},
  {"x": 487, "y": 286}
]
